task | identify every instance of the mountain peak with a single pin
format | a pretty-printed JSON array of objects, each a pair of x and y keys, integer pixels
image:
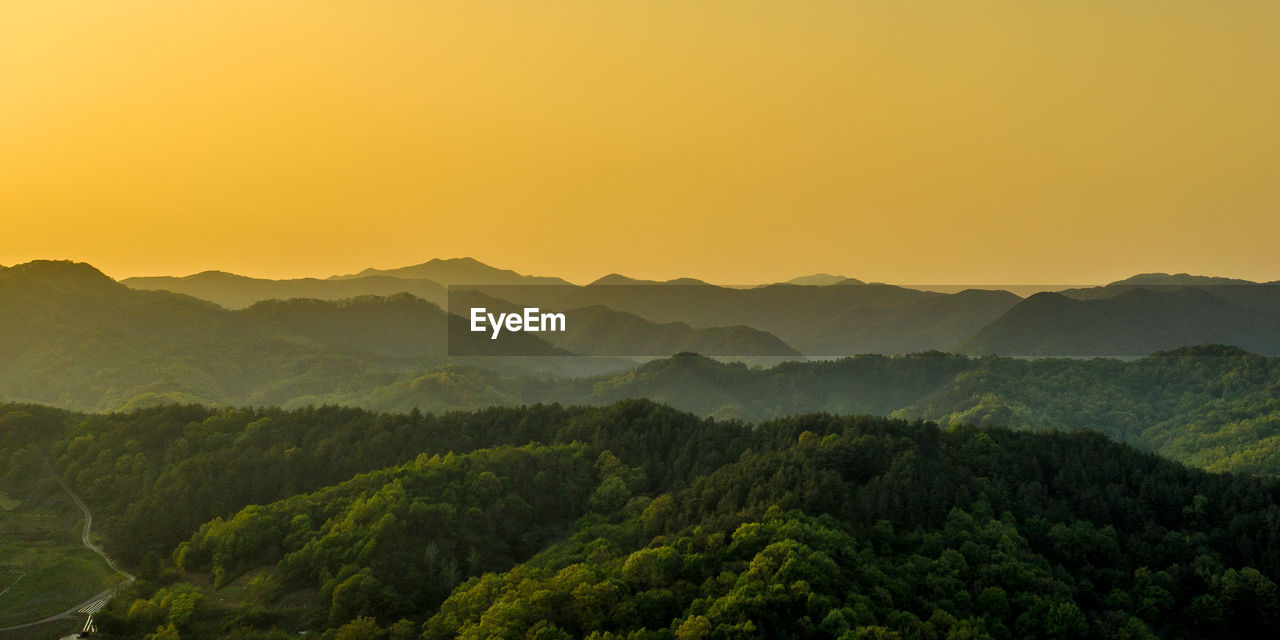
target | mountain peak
[
  {"x": 62, "y": 267},
  {"x": 446, "y": 271},
  {"x": 59, "y": 279},
  {"x": 615, "y": 278},
  {"x": 58, "y": 271},
  {"x": 822, "y": 280},
  {"x": 1178, "y": 279},
  {"x": 220, "y": 275},
  {"x": 618, "y": 278},
  {"x": 467, "y": 261}
]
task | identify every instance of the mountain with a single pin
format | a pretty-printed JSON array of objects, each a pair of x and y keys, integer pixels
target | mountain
[
  {"x": 1179, "y": 280},
  {"x": 1135, "y": 321},
  {"x": 237, "y": 292},
  {"x": 456, "y": 271},
  {"x": 1208, "y": 406},
  {"x": 819, "y": 320},
  {"x": 1258, "y": 297},
  {"x": 1211, "y": 406},
  {"x": 811, "y": 318},
  {"x": 617, "y": 278},
  {"x": 597, "y": 330},
  {"x": 399, "y": 326},
  {"x": 60, "y": 289},
  {"x": 73, "y": 337},
  {"x": 822, "y": 280},
  {"x": 929, "y": 324}
]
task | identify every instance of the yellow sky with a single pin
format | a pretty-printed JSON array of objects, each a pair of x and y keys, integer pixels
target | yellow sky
[{"x": 736, "y": 141}]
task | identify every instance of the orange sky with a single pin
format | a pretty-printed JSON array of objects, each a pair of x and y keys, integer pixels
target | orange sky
[{"x": 736, "y": 141}]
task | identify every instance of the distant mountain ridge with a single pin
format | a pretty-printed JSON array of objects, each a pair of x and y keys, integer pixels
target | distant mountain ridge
[
  {"x": 71, "y": 336},
  {"x": 601, "y": 331},
  {"x": 617, "y": 278},
  {"x": 237, "y": 292},
  {"x": 1132, "y": 316},
  {"x": 1179, "y": 279},
  {"x": 447, "y": 271},
  {"x": 1134, "y": 321},
  {"x": 819, "y": 320},
  {"x": 822, "y": 280}
]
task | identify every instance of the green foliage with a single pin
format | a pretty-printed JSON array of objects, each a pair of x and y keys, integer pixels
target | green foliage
[
  {"x": 911, "y": 547},
  {"x": 165, "y": 611},
  {"x": 397, "y": 541},
  {"x": 638, "y": 521},
  {"x": 157, "y": 474}
]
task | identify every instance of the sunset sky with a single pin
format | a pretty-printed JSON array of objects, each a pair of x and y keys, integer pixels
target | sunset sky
[{"x": 735, "y": 141}]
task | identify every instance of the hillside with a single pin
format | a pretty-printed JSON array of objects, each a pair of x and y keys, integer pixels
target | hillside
[
  {"x": 825, "y": 315},
  {"x": 72, "y": 337},
  {"x": 1211, "y": 407},
  {"x": 930, "y": 324},
  {"x": 1136, "y": 321},
  {"x": 599, "y": 331},
  {"x": 635, "y": 520},
  {"x": 237, "y": 292},
  {"x": 1257, "y": 297},
  {"x": 840, "y": 319}
]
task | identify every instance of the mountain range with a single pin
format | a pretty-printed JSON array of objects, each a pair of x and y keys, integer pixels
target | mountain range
[
  {"x": 74, "y": 337},
  {"x": 579, "y": 496},
  {"x": 1132, "y": 321},
  {"x": 447, "y": 271},
  {"x": 237, "y": 292}
]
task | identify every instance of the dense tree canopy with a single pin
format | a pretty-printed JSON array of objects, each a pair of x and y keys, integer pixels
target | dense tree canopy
[{"x": 638, "y": 521}]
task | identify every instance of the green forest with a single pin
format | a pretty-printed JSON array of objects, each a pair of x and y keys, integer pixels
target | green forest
[
  {"x": 1210, "y": 406},
  {"x": 637, "y": 520}
]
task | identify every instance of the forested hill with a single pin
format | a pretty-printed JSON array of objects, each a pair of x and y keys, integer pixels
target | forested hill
[
  {"x": 1134, "y": 320},
  {"x": 237, "y": 292},
  {"x": 84, "y": 341},
  {"x": 449, "y": 271},
  {"x": 1212, "y": 407},
  {"x": 638, "y": 521},
  {"x": 73, "y": 337},
  {"x": 825, "y": 315},
  {"x": 70, "y": 336}
]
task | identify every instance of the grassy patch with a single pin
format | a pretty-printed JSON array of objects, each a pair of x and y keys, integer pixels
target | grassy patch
[
  {"x": 40, "y": 540},
  {"x": 57, "y": 578},
  {"x": 239, "y": 604},
  {"x": 7, "y": 503}
]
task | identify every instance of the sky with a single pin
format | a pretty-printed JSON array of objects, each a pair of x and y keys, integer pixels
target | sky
[{"x": 734, "y": 141}]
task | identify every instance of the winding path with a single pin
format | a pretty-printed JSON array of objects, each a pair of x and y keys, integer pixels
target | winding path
[
  {"x": 21, "y": 575},
  {"x": 92, "y": 605}
]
